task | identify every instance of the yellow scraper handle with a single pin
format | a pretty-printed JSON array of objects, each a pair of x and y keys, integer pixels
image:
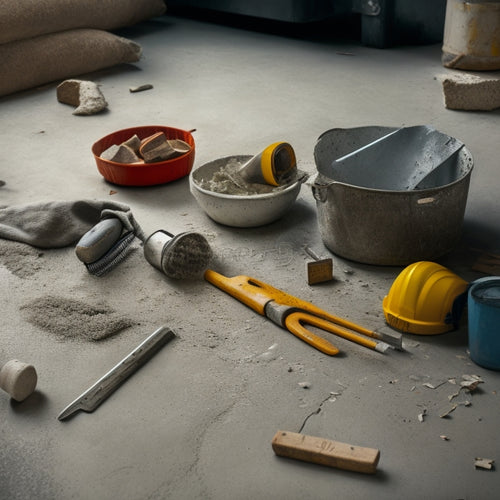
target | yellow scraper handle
[
  {"x": 256, "y": 294},
  {"x": 295, "y": 324},
  {"x": 241, "y": 288}
]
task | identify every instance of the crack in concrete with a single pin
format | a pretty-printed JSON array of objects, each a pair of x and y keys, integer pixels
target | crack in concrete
[
  {"x": 315, "y": 412},
  {"x": 332, "y": 396}
]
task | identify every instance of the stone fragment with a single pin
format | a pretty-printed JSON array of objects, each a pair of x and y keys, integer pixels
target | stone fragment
[
  {"x": 161, "y": 153},
  {"x": 471, "y": 92},
  {"x": 84, "y": 95},
  {"x": 134, "y": 143},
  {"x": 157, "y": 148},
  {"x": 120, "y": 154}
]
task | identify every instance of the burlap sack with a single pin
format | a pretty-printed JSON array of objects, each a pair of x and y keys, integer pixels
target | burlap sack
[
  {"x": 20, "y": 19},
  {"x": 57, "y": 56}
]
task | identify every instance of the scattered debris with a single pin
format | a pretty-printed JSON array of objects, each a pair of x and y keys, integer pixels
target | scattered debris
[
  {"x": 2, "y": 183},
  {"x": 483, "y": 463},
  {"x": 141, "y": 88},
  {"x": 422, "y": 415},
  {"x": 469, "y": 383},
  {"x": 269, "y": 355},
  {"x": 333, "y": 396},
  {"x": 471, "y": 92},
  {"x": 84, "y": 95},
  {"x": 448, "y": 410},
  {"x": 409, "y": 343},
  {"x": 434, "y": 386},
  {"x": 305, "y": 385},
  {"x": 444, "y": 438}
]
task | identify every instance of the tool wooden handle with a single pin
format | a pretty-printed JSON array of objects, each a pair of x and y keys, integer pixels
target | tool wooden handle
[{"x": 325, "y": 452}]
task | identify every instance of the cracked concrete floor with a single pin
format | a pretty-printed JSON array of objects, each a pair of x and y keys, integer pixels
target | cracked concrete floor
[{"x": 198, "y": 419}]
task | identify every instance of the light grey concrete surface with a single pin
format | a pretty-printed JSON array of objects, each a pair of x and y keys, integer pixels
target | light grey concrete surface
[{"x": 198, "y": 419}]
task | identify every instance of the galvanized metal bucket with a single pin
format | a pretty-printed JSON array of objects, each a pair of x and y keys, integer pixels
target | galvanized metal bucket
[{"x": 385, "y": 227}]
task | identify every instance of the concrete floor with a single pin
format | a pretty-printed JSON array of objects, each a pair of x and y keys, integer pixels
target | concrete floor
[{"x": 198, "y": 419}]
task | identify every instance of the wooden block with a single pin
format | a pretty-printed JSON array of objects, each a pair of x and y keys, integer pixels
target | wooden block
[
  {"x": 319, "y": 271},
  {"x": 325, "y": 452}
]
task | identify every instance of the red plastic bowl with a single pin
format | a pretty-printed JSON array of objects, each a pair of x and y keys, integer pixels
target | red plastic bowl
[{"x": 147, "y": 174}]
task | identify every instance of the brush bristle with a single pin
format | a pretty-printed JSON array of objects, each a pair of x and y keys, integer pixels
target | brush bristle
[
  {"x": 187, "y": 256},
  {"x": 113, "y": 257}
]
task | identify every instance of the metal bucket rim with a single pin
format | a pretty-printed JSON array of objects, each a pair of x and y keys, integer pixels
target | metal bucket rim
[
  {"x": 427, "y": 191},
  {"x": 363, "y": 127}
]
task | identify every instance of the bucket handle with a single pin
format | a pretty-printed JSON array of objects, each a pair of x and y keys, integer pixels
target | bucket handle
[{"x": 320, "y": 189}]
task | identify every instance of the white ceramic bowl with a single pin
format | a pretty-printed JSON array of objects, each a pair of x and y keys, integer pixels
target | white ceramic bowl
[{"x": 236, "y": 210}]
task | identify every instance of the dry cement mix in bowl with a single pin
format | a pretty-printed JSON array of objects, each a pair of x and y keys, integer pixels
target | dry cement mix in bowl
[
  {"x": 231, "y": 201},
  {"x": 227, "y": 180}
]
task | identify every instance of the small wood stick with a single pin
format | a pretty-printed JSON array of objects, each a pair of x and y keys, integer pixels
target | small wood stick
[
  {"x": 141, "y": 88},
  {"x": 325, "y": 452}
]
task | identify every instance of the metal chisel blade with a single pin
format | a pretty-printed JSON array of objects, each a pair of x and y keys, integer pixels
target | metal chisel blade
[
  {"x": 391, "y": 337},
  {"x": 95, "y": 395}
]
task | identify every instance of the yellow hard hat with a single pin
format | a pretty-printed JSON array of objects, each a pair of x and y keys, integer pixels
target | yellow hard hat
[{"x": 426, "y": 298}]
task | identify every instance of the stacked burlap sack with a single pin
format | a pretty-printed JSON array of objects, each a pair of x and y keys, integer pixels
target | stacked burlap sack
[{"x": 51, "y": 40}]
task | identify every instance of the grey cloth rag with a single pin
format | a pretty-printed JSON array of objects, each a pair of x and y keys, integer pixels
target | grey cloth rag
[{"x": 59, "y": 224}]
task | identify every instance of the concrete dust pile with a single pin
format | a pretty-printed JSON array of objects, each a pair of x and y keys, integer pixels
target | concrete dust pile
[
  {"x": 71, "y": 319},
  {"x": 20, "y": 259}
]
